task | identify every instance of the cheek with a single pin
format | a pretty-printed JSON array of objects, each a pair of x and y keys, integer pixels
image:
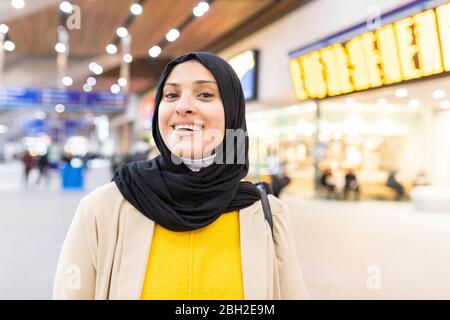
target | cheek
[
  {"x": 216, "y": 118},
  {"x": 163, "y": 120}
]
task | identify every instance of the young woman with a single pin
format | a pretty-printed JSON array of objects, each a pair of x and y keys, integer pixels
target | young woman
[{"x": 183, "y": 225}]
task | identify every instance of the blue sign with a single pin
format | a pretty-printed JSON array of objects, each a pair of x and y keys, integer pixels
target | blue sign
[
  {"x": 245, "y": 65},
  {"x": 49, "y": 96},
  {"x": 76, "y": 101},
  {"x": 106, "y": 98},
  {"x": 18, "y": 94}
]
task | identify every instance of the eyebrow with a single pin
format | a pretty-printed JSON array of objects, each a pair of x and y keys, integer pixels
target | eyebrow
[{"x": 196, "y": 82}]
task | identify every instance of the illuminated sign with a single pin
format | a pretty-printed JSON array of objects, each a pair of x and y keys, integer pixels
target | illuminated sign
[
  {"x": 245, "y": 65},
  {"x": 410, "y": 48},
  {"x": 75, "y": 101}
]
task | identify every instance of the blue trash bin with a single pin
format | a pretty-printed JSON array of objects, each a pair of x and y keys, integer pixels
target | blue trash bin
[{"x": 72, "y": 177}]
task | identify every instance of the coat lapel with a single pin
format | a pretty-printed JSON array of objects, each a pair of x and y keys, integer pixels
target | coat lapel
[
  {"x": 253, "y": 234},
  {"x": 138, "y": 234}
]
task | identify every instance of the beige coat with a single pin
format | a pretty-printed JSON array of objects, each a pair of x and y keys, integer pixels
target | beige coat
[{"x": 105, "y": 252}]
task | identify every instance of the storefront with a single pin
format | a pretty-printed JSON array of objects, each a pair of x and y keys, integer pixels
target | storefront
[{"x": 373, "y": 99}]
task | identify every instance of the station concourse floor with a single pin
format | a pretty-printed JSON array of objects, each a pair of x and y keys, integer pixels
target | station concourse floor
[{"x": 347, "y": 250}]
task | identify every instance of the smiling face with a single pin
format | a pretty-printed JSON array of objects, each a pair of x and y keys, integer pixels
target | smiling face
[{"x": 191, "y": 116}]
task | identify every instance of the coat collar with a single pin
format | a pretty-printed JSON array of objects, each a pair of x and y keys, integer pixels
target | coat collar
[{"x": 138, "y": 229}]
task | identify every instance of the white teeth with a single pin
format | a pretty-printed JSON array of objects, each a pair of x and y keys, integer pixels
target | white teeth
[{"x": 189, "y": 127}]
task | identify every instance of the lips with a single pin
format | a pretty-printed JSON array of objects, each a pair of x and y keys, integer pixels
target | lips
[{"x": 189, "y": 126}]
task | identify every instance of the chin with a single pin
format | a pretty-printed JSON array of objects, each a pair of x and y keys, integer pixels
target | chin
[{"x": 185, "y": 151}]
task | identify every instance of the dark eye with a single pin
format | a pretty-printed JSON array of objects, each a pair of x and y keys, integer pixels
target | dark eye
[
  {"x": 170, "y": 95},
  {"x": 205, "y": 94}
]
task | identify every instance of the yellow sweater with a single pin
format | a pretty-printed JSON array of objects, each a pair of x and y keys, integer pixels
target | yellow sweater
[{"x": 200, "y": 264}]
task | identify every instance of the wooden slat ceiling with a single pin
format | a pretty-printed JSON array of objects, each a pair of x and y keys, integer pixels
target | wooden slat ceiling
[
  {"x": 35, "y": 33},
  {"x": 99, "y": 21},
  {"x": 144, "y": 73},
  {"x": 223, "y": 16},
  {"x": 157, "y": 19},
  {"x": 226, "y": 22}
]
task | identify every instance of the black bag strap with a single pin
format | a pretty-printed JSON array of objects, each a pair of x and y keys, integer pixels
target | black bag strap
[{"x": 265, "y": 203}]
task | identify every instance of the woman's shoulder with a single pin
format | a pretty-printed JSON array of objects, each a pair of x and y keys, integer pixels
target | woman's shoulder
[
  {"x": 281, "y": 215},
  {"x": 106, "y": 194},
  {"x": 276, "y": 204},
  {"x": 278, "y": 208},
  {"x": 102, "y": 201}
]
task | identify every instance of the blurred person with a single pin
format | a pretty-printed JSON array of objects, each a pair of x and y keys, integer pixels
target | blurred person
[
  {"x": 67, "y": 157},
  {"x": 327, "y": 182},
  {"x": 279, "y": 179},
  {"x": 86, "y": 159},
  {"x": 134, "y": 238},
  {"x": 393, "y": 183},
  {"x": 28, "y": 164},
  {"x": 43, "y": 166},
  {"x": 351, "y": 185},
  {"x": 339, "y": 182},
  {"x": 279, "y": 182}
]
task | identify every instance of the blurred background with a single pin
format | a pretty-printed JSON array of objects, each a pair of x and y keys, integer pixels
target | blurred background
[{"x": 348, "y": 112}]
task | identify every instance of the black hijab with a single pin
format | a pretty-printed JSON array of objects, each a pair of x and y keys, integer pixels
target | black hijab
[{"x": 171, "y": 194}]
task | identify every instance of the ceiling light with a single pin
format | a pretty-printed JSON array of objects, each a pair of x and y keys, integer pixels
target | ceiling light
[
  {"x": 136, "y": 9},
  {"x": 198, "y": 12},
  {"x": 204, "y": 6},
  {"x": 95, "y": 68},
  {"x": 4, "y": 28},
  {"x": 127, "y": 58},
  {"x": 67, "y": 81},
  {"x": 18, "y": 4},
  {"x": 9, "y": 45},
  {"x": 200, "y": 9},
  {"x": 154, "y": 51},
  {"x": 115, "y": 88},
  {"x": 92, "y": 66},
  {"x": 87, "y": 87},
  {"x": 60, "y": 47},
  {"x": 122, "y": 32},
  {"x": 98, "y": 70},
  {"x": 91, "y": 81},
  {"x": 111, "y": 48},
  {"x": 172, "y": 35},
  {"x": 66, "y": 7},
  {"x": 122, "y": 82}
]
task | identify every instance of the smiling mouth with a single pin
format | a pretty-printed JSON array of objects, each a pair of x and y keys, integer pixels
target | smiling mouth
[{"x": 187, "y": 127}]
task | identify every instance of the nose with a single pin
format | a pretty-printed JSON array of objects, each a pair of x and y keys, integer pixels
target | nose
[{"x": 185, "y": 106}]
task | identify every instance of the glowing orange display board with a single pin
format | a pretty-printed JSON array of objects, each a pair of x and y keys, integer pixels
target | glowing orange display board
[{"x": 411, "y": 48}]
